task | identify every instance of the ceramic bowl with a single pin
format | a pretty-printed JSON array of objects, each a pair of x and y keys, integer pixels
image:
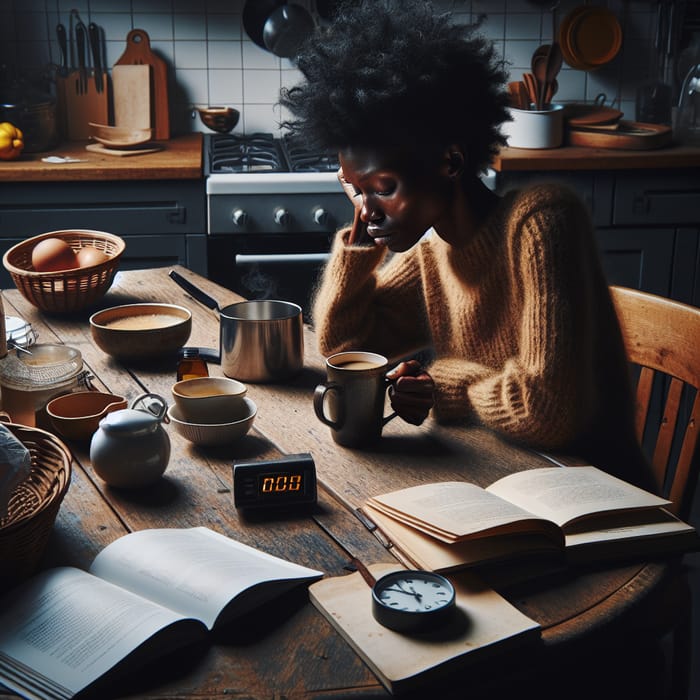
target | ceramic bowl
[
  {"x": 214, "y": 433},
  {"x": 77, "y": 416},
  {"x": 138, "y": 331},
  {"x": 209, "y": 399},
  {"x": 119, "y": 136},
  {"x": 220, "y": 119}
]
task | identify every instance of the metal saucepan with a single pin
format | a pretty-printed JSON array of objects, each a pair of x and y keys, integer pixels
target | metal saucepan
[{"x": 260, "y": 340}]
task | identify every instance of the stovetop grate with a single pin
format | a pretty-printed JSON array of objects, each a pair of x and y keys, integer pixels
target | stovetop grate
[{"x": 261, "y": 152}]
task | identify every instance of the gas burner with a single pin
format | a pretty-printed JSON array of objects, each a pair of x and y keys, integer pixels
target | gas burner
[
  {"x": 303, "y": 159},
  {"x": 236, "y": 153}
]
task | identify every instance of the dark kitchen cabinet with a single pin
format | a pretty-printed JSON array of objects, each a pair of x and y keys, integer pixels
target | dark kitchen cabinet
[
  {"x": 647, "y": 223},
  {"x": 162, "y": 222}
]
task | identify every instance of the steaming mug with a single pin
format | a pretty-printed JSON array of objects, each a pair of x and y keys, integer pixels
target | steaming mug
[{"x": 351, "y": 402}]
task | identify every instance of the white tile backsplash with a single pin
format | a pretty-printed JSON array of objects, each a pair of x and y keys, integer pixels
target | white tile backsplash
[{"x": 213, "y": 61}]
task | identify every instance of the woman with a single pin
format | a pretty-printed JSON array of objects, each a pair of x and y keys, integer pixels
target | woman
[{"x": 507, "y": 291}]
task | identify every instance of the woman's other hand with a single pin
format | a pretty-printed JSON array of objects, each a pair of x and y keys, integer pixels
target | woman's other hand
[{"x": 411, "y": 391}]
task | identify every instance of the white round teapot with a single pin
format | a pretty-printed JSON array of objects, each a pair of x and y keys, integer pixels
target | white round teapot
[{"x": 130, "y": 448}]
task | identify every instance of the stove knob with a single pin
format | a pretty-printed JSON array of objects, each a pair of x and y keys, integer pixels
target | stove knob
[
  {"x": 281, "y": 216},
  {"x": 320, "y": 216},
  {"x": 239, "y": 217}
]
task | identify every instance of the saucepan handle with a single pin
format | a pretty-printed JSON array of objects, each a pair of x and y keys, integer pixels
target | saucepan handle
[{"x": 196, "y": 292}]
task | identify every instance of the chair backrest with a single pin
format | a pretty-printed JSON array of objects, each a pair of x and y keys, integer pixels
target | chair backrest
[{"x": 662, "y": 337}]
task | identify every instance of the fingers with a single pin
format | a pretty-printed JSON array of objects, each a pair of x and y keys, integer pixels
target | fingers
[{"x": 411, "y": 392}]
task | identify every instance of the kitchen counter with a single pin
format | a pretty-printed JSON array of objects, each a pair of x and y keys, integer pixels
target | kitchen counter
[
  {"x": 578, "y": 158},
  {"x": 180, "y": 158}
]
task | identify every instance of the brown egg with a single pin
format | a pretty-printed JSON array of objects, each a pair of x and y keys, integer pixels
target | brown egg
[
  {"x": 89, "y": 256},
  {"x": 53, "y": 254}
]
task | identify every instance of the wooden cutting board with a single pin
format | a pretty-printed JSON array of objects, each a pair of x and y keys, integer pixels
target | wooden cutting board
[
  {"x": 76, "y": 110},
  {"x": 138, "y": 52},
  {"x": 131, "y": 88},
  {"x": 633, "y": 136}
]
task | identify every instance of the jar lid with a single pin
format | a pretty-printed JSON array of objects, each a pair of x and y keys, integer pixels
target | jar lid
[
  {"x": 19, "y": 332},
  {"x": 42, "y": 366}
]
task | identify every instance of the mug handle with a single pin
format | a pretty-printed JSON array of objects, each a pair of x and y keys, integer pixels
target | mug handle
[
  {"x": 319, "y": 396},
  {"x": 393, "y": 414}
]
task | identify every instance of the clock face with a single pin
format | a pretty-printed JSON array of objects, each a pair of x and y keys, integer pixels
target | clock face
[{"x": 412, "y": 600}]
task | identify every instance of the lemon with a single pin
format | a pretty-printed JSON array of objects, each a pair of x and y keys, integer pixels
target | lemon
[{"x": 11, "y": 141}]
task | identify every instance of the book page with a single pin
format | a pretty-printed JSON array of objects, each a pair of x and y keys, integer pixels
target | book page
[
  {"x": 426, "y": 552},
  {"x": 66, "y": 628},
  {"x": 564, "y": 494},
  {"x": 454, "y": 510},
  {"x": 194, "y": 571}
]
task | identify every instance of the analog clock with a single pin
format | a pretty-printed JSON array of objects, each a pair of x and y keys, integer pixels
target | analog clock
[{"x": 413, "y": 601}]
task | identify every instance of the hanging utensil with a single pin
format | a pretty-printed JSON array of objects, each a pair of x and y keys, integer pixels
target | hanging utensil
[{"x": 286, "y": 29}]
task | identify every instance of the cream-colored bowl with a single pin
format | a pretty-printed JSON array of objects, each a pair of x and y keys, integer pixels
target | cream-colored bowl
[
  {"x": 209, "y": 399},
  {"x": 214, "y": 433},
  {"x": 76, "y": 416},
  {"x": 136, "y": 331}
]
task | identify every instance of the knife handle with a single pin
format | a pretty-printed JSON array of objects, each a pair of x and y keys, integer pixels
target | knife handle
[
  {"x": 63, "y": 46},
  {"x": 96, "y": 44}
]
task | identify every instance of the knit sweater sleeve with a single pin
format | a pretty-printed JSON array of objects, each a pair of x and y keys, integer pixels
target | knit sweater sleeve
[
  {"x": 366, "y": 302},
  {"x": 543, "y": 393}
]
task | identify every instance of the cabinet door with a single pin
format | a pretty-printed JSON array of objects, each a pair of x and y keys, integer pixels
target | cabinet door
[{"x": 638, "y": 258}]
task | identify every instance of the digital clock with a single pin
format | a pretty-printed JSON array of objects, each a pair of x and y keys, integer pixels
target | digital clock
[{"x": 280, "y": 483}]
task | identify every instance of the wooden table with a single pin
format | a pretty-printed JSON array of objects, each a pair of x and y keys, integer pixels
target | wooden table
[{"x": 298, "y": 654}]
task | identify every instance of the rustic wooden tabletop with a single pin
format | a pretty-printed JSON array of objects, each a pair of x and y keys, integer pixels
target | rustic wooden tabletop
[{"x": 293, "y": 651}]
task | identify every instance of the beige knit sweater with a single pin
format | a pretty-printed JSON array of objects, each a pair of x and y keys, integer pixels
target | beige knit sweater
[{"x": 520, "y": 321}]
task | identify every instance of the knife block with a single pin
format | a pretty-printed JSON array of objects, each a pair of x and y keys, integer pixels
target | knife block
[{"x": 75, "y": 110}]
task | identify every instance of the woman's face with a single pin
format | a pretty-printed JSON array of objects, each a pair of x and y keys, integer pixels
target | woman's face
[{"x": 400, "y": 199}]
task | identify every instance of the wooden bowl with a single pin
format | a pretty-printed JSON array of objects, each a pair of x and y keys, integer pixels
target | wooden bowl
[
  {"x": 221, "y": 119},
  {"x": 138, "y": 331},
  {"x": 119, "y": 136}
]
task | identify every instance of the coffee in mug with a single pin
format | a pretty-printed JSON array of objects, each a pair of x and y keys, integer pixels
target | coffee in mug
[{"x": 351, "y": 402}]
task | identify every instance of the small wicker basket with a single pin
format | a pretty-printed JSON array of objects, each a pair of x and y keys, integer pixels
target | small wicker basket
[
  {"x": 65, "y": 291},
  {"x": 34, "y": 504}
]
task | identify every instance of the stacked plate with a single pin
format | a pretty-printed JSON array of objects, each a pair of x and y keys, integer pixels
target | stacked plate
[{"x": 589, "y": 37}]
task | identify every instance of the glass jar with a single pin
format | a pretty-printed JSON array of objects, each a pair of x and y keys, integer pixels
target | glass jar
[
  {"x": 191, "y": 365},
  {"x": 29, "y": 379}
]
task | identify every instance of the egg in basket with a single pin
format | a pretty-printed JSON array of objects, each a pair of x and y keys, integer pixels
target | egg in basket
[{"x": 64, "y": 271}]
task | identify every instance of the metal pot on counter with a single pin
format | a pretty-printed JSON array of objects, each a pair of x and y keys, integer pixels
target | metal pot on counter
[{"x": 34, "y": 113}]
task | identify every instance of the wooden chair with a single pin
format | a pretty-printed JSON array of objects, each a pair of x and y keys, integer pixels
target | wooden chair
[{"x": 662, "y": 339}]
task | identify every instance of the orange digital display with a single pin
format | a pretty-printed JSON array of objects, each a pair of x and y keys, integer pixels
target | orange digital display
[{"x": 287, "y": 481}]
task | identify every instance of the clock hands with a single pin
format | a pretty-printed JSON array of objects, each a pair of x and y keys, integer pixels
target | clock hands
[{"x": 416, "y": 595}]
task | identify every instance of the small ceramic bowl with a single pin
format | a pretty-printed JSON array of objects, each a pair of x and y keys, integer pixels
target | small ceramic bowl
[
  {"x": 209, "y": 399},
  {"x": 77, "y": 416},
  {"x": 221, "y": 119},
  {"x": 214, "y": 433},
  {"x": 138, "y": 331}
]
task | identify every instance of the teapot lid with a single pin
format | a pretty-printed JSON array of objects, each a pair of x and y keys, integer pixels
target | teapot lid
[
  {"x": 145, "y": 415},
  {"x": 129, "y": 421}
]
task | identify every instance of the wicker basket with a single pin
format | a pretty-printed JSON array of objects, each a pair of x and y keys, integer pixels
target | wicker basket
[
  {"x": 34, "y": 504},
  {"x": 66, "y": 290}
]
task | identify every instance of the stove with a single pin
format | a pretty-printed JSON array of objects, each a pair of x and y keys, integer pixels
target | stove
[{"x": 273, "y": 207}]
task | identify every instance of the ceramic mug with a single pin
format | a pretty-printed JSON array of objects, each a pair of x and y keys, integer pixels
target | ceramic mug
[{"x": 351, "y": 402}]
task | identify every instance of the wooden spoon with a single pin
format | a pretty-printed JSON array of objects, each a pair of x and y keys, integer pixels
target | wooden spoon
[{"x": 531, "y": 87}]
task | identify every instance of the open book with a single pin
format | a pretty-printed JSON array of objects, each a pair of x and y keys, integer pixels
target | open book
[
  {"x": 485, "y": 627},
  {"x": 146, "y": 594},
  {"x": 576, "y": 514}
]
